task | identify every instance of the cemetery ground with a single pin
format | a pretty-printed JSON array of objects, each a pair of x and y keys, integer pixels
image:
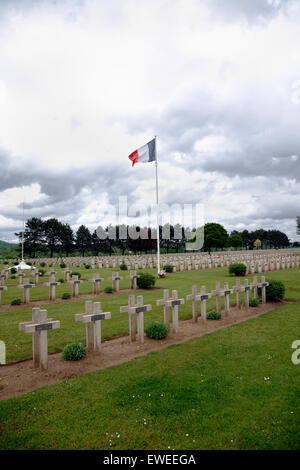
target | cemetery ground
[{"x": 235, "y": 388}]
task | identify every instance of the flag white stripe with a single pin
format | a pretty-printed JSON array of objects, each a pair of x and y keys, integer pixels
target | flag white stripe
[{"x": 143, "y": 154}]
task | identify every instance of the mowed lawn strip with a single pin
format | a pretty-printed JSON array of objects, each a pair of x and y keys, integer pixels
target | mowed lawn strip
[
  {"x": 235, "y": 388},
  {"x": 18, "y": 344}
]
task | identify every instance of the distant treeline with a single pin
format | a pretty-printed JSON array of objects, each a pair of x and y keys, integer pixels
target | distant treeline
[{"x": 54, "y": 238}]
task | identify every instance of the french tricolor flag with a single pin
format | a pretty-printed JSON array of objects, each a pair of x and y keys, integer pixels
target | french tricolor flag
[{"x": 144, "y": 154}]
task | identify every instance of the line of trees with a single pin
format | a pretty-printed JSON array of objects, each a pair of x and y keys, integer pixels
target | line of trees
[{"x": 49, "y": 237}]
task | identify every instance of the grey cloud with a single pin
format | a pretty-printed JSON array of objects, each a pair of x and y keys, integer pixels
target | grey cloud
[
  {"x": 63, "y": 189},
  {"x": 252, "y": 10}
]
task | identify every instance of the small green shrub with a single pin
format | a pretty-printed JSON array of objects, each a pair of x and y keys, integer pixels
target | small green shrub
[
  {"x": 13, "y": 276},
  {"x": 108, "y": 290},
  {"x": 274, "y": 291},
  {"x": 74, "y": 352},
  {"x": 50, "y": 265},
  {"x": 29, "y": 263},
  {"x": 157, "y": 330},
  {"x": 5, "y": 262},
  {"x": 16, "y": 263},
  {"x": 61, "y": 280},
  {"x": 168, "y": 268},
  {"x": 123, "y": 267},
  {"x": 42, "y": 264},
  {"x": 13, "y": 270},
  {"x": 253, "y": 302},
  {"x": 42, "y": 272},
  {"x": 31, "y": 281},
  {"x": 238, "y": 269},
  {"x": 145, "y": 281},
  {"x": 213, "y": 315},
  {"x": 66, "y": 295},
  {"x": 76, "y": 273},
  {"x": 87, "y": 266},
  {"x": 62, "y": 265},
  {"x": 16, "y": 302}
]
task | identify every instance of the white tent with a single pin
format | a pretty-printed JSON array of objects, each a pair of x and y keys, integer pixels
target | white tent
[{"x": 22, "y": 265}]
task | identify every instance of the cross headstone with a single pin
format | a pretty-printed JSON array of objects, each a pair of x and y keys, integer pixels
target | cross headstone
[
  {"x": 39, "y": 327},
  {"x": 133, "y": 277},
  {"x": 174, "y": 302},
  {"x": 75, "y": 285},
  {"x": 96, "y": 280},
  {"x": 194, "y": 297},
  {"x": 238, "y": 289},
  {"x": 139, "y": 310},
  {"x": 2, "y": 279},
  {"x": 218, "y": 292},
  {"x": 20, "y": 278},
  {"x": 227, "y": 293},
  {"x": 163, "y": 301},
  {"x": 67, "y": 273},
  {"x": 263, "y": 284},
  {"x": 92, "y": 318},
  {"x": 203, "y": 297},
  {"x": 26, "y": 290},
  {"x": 254, "y": 285},
  {"x": 115, "y": 278},
  {"x": 2, "y": 288},
  {"x": 247, "y": 289},
  {"x": 2, "y": 353},
  {"x": 132, "y": 328},
  {"x": 52, "y": 285}
]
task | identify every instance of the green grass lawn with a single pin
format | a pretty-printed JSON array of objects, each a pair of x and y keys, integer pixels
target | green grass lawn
[
  {"x": 18, "y": 344},
  {"x": 235, "y": 388}
]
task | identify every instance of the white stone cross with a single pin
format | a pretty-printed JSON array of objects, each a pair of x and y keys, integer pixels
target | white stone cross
[
  {"x": 2, "y": 353},
  {"x": 2, "y": 288},
  {"x": 247, "y": 289},
  {"x": 52, "y": 285},
  {"x": 96, "y": 281},
  {"x": 139, "y": 310},
  {"x": 133, "y": 277},
  {"x": 75, "y": 285},
  {"x": 26, "y": 294},
  {"x": 254, "y": 286},
  {"x": 203, "y": 297},
  {"x": 67, "y": 273},
  {"x": 194, "y": 297},
  {"x": 115, "y": 278},
  {"x": 227, "y": 293},
  {"x": 124, "y": 309},
  {"x": 238, "y": 289},
  {"x": 2, "y": 279},
  {"x": 174, "y": 302},
  {"x": 263, "y": 284},
  {"x": 218, "y": 292},
  {"x": 92, "y": 318},
  {"x": 39, "y": 327},
  {"x": 163, "y": 301}
]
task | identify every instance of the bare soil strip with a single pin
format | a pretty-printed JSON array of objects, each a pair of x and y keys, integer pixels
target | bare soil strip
[{"x": 19, "y": 378}]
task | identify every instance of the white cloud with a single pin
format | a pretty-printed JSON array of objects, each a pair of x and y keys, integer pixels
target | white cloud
[{"x": 82, "y": 84}]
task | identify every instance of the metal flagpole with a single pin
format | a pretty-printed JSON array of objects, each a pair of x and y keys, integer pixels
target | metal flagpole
[
  {"x": 23, "y": 235},
  {"x": 157, "y": 210}
]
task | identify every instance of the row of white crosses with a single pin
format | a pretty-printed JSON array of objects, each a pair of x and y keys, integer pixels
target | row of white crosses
[
  {"x": 93, "y": 315},
  {"x": 209, "y": 260},
  {"x": 74, "y": 281}
]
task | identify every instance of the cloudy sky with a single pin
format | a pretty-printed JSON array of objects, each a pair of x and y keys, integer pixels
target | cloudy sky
[{"x": 85, "y": 82}]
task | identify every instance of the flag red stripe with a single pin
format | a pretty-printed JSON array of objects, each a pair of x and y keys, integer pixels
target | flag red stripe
[{"x": 134, "y": 157}]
